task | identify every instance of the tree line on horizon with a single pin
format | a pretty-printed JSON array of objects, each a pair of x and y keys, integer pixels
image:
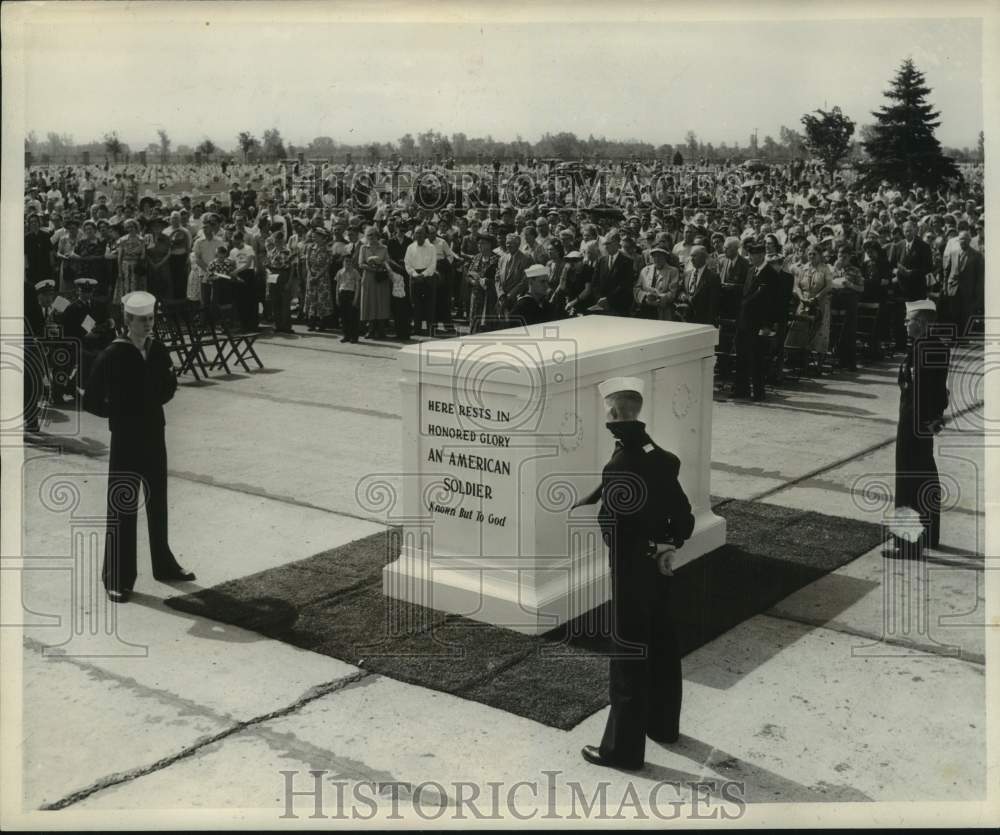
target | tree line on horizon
[{"x": 898, "y": 145}]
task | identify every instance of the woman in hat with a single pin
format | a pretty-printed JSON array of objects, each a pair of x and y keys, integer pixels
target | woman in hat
[
  {"x": 66, "y": 254},
  {"x": 180, "y": 254},
  {"x": 877, "y": 275},
  {"x": 481, "y": 278},
  {"x": 131, "y": 261},
  {"x": 848, "y": 284},
  {"x": 810, "y": 330},
  {"x": 89, "y": 250},
  {"x": 37, "y": 251},
  {"x": 375, "y": 306},
  {"x": 569, "y": 285},
  {"x": 279, "y": 263},
  {"x": 316, "y": 262},
  {"x": 158, "y": 253},
  {"x": 557, "y": 266}
]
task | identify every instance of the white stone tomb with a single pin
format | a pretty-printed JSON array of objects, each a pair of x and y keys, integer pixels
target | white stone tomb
[{"x": 503, "y": 431}]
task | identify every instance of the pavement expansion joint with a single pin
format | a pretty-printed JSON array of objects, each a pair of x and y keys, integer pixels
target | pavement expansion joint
[
  {"x": 922, "y": 648},
  {"x": 318, "y": 691},
  {"x": 833, "y": 465}
]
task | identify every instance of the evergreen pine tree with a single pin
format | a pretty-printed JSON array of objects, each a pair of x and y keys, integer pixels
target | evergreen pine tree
[{"x": 902, "y": 148}]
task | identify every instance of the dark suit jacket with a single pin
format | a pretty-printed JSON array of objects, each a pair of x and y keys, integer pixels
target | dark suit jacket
[
  {"x": 893, "y": 251},
  {"x": 616, "y": 283},
  {"x": 912, "y": 270},
  {"x": 510, "y": 279},
  {"x": 703, "y": 308},
  {"x": 735, "y": 273},
  {"x": 761, "y": 301}
]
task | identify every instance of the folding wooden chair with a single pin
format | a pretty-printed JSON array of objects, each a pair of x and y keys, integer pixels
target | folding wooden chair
[
  {"x": 868, "y": 327},
  {"x": 204, "y": 331},
  {"x": 238, "y": 343},
  {"x": 729, "y": 307},
  {"x": 836, "y": 334},
  {"x": 170, "y": 328}
]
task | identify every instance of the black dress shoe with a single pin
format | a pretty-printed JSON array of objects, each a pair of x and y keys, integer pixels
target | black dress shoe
[
  {"x": 177, "y": 575},
  {"x": 592, "y": 754},
  {"x": 896, "y": 552},
  {"x": 117, "y": 596}
]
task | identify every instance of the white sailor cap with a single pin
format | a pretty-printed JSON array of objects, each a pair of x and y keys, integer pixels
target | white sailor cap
[
  {"x": 537, "y": 271},
  {"x": 574, "y": 256},
  {"x": 920, "y": 304},
  {"x": 139, "y": 303},
  {"x": 617, "y": 384},
  {"x": 45, "y": 284}
]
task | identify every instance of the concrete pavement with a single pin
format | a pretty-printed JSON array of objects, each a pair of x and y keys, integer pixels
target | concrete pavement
[{"x": 802, "y": 703}]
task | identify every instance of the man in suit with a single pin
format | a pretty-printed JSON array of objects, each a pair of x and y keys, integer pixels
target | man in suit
[
  {"x": 756, "y": 323},
  {"x": 511, "y": 281},
  {"x": 962, "y": 293},
  {"x": 131, "y": 380},
  {"x": 923, "y": 397},
  {"x": 699, "y": 298},
  {"x": 615, "y": 278},
  {"x": 915, "y": 263},
  {"x": 733, "y": 267},
  {"x": 641, "y": 535}
]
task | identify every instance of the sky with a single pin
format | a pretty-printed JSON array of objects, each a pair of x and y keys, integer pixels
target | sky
[{"x": 366, "y": 82}]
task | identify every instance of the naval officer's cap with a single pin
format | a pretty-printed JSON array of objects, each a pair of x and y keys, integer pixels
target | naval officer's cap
[
  {"x": 84, "y": 283},
  {"x": 614, "y": 385},
  {"x": 139, "y": 303},
  {"x": 920, "y": 306},
  {"x": 536, "y": 271},
  {"x": 45, "y": 284}
]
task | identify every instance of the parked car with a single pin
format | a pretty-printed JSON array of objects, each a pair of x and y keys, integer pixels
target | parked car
[{"x": 755, "y": 165}]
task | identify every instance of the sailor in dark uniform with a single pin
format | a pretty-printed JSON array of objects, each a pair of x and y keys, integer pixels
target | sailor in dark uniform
[
  {"x": 645, "y": 516},
  {"x": 130, "y": 381},
  {"x": 533, "y": 307},
  {"x": 923, "y": 397}
]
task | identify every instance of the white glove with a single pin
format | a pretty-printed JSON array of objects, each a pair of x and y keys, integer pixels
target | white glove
[{"x": 664, "y": 558}]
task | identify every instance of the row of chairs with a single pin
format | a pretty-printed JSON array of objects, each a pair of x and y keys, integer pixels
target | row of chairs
[{"x": 201, "y": 339}]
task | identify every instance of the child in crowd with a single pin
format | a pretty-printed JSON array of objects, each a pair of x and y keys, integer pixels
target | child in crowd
[
  {"x": 348, "y": 283},
  {"x": 220, "y": 273}
]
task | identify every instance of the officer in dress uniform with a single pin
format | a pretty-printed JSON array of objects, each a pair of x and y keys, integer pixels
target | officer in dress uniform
[
  {"x": 533, "y": 307},
  {"x": 86, "y": 322},
  {"x": 645, "y": 516},
  {"x": 56, "y": 364},
  {"x": 923, "y": 397},
  {"x": 130, "y": 381}
]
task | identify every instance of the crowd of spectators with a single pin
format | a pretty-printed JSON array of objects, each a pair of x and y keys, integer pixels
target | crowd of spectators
[{"x": 774, "y": 253}]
